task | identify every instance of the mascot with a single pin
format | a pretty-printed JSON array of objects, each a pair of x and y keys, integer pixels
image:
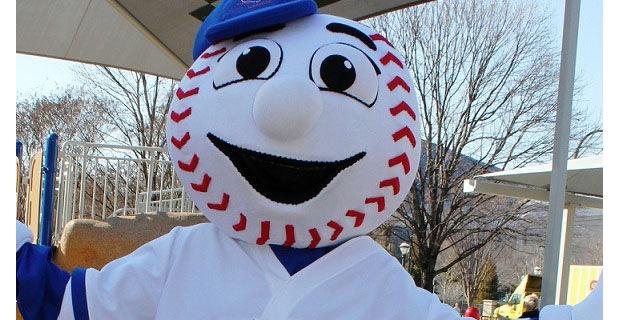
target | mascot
[{"x": 296, "y": 134}]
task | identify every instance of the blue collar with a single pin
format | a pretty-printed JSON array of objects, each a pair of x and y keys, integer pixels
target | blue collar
[{"x": 294, "y": 259}]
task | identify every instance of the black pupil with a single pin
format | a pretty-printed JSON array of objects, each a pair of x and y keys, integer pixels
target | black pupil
[
  {"x": 252, "y": 62},
  {"x": 337, "y": 72}
]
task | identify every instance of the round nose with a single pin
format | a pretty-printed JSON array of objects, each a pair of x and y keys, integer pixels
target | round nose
[{"x": 286, "y": 107}]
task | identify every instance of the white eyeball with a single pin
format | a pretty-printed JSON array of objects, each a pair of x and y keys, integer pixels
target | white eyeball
[
  {"x": 344, "y": 69},
  {"x": 257, "y": 59}
]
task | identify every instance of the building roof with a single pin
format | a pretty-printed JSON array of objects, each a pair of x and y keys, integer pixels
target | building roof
[
  {"x": 154, "y": 37},
  {"x": 584, "y": 182}
]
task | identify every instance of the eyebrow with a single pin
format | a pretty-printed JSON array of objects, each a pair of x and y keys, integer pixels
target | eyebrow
[
  {"x": 354, "y": 32},
  {"x": 270, "y": 28}
]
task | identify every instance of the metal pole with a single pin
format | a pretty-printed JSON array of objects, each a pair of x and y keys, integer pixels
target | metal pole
[
  {"x": 560, "y": 154},
  {"x": 83, "y": 182},
  {"x": 565, "y": 253},
  {"x": 149, "y": 183},
  {"x": 49, "y": 178}
]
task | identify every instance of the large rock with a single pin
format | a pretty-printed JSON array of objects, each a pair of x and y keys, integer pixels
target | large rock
[{"x": 90, "y": 243}]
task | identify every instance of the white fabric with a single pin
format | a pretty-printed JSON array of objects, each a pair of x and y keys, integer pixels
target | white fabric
[
  {"x": 23, "y": 234},
  {"x": 592, "y": 307},
  {"x": 553, "y": 312},
  {"x": 199, "y": 273},
  {"x": 66, "y": 309}
]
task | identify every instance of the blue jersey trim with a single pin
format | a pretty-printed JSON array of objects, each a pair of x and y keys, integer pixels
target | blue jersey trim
[
  {"x": 294, "y": 259},
  {"x": 78, "y": 294}
]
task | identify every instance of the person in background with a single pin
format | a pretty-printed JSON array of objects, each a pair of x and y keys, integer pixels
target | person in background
[
  {"x": 457, "y": 307},
  {"x": 530, "y": 304}
]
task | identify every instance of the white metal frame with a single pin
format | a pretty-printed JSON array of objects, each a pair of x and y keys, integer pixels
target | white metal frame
[
  {"x": 555, "y": 274},
  {"x": 111, "y": 174}
]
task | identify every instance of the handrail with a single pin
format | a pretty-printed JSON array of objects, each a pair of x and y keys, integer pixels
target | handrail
[{"x": 96, "y": 181}]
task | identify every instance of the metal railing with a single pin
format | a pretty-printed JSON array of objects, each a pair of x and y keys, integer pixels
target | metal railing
[{"x": 100, "y": 180}]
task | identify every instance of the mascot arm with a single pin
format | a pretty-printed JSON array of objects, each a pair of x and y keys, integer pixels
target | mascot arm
[
  {"x": 40, "y": 284},
  {"x": 589, "y": 309},
  {"x": 130, "y": 286}
]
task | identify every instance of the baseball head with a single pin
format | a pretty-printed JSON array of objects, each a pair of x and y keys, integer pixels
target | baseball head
[{"x": 302, "y": 134}]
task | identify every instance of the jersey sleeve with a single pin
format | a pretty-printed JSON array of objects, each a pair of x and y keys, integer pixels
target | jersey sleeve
[
  {"x": 129, "y": 286},
  {"x": 438, "y": 310}
]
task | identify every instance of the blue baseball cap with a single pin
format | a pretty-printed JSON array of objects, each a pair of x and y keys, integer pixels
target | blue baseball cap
[{"x": 234, "y": 17}]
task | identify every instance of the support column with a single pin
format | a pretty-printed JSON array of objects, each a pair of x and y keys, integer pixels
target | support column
[
  {"x": 568, "y": 222},
  {"x": 560, "y": 153}
]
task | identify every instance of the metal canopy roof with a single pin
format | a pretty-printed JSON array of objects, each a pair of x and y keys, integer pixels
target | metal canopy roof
[
  {"x": 584, "y": 182},
  {"x": 153, "y": 36}
]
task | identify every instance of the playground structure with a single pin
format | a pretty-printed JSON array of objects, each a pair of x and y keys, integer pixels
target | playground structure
[
  {"x": 100, "y": 201},
  {"x": 97, "y": 181}
]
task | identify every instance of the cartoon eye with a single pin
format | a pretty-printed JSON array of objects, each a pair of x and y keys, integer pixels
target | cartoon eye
[
  {"x": 344, "y": 69},
  {"x": 257, "y": 59}
]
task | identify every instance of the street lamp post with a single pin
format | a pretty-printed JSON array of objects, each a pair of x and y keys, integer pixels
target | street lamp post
[
  {"x": 404, "y": 251},
  {"x": 537, "y": 271}
]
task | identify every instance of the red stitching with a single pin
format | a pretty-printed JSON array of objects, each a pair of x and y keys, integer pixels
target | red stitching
[
  {"x": 394, "y": 183},
  {"x": 380, "y": 201},
  {"x": 208, "y": 55},
  {"x": 184, "y": 94},
  {"x": 290, "y": 235},
  {"x": 189, "y": 167},
  {"x": 222, "y": 206},
  {"x": 404, "y": 132},
  {"x": 180, "y": 143},
  {"x": 191, "y": 73},
  {"x": 391, "y": 57},
  {"x": 264, "y": 233},
  {"x": 402, "y": 159},
  {"x": 359, "y": 217},
  {"x": 316, "y": 238},
  {"x": 240, "y": 226},
  {"x": 398, "y": 81},
  {"x": 403, "y": 106},
  {"x": 204, "y": 185},
  {"x": 176, "y": 117},
  {"x": 378, "y": 37},
  {"x": 337, "y": 229}
]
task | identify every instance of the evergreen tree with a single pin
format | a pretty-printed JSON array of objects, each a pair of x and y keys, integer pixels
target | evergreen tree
[{"x": 489, "y": 289}]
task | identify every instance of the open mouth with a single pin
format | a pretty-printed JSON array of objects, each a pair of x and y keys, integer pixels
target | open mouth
[{"x": 281, "y": 179}]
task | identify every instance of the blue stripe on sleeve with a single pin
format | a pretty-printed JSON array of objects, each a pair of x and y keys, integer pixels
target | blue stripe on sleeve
[{"x": 78, "y": 294}]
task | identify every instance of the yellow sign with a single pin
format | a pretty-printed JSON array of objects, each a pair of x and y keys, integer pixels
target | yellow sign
[{"x": 581, "y": 281}]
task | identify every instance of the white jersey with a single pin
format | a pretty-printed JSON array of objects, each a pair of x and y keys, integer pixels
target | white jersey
[{"x": 199, "y": 273}]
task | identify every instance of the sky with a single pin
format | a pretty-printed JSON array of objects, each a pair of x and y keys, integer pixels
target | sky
[{"x": 44, "y": 75}]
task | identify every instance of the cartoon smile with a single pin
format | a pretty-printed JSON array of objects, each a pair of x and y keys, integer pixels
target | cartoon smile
[{"x": 282, "y": 179}]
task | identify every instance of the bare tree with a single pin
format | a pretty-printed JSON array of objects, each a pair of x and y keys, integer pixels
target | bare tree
[
  {"x": 136, "y": 107},
  {"x": 487, "y": 76},
  {"x": 69, "y": 112},
  {"x": 476, "y": 267},
  {"x": 447, "y": 285},
  {"x": 587, "y": 247},
  {"x": 137, "y": 103}
]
